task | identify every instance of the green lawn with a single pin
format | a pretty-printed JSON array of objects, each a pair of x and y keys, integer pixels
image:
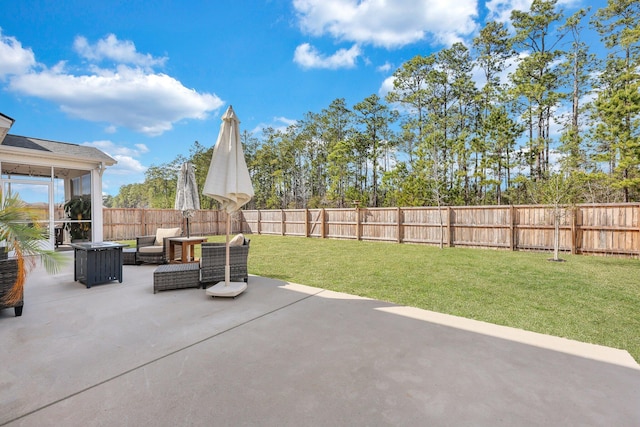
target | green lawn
[{"x": 586, "y": 298}]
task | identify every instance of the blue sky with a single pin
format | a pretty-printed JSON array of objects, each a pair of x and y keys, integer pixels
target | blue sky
[{"x": 143, "y": 80}]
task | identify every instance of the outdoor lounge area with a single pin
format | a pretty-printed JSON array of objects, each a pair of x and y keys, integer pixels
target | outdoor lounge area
[
  {"x": 179, "y": 269},
  {"x": 287, "y": 354}
]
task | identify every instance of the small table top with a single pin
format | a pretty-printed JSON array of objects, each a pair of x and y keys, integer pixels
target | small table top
[
  {"x": 88, "y": 246},
  {"x": 188, "y": 239}
]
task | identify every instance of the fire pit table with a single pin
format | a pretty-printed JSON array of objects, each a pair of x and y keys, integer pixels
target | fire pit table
[{"x": 97, "y": 262}]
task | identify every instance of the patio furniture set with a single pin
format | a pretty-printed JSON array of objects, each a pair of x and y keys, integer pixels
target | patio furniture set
[
  {"x": 208, "y": 271},
  {"x": 102, "y": 262},
  {"x": 179, "y": 269}
]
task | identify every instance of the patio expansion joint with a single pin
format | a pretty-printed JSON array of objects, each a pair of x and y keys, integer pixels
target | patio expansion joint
[{"x": 157, "y": 359}]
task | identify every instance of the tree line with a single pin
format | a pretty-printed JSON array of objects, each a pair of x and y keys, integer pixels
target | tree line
[{"x": 529, "y": 112}]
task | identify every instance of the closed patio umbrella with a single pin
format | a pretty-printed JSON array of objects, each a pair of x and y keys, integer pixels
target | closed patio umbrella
[
  {"x": 229, "y": 183},
  {"x": 187, "y": 198}
]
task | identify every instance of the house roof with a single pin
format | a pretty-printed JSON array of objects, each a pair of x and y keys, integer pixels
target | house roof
[
  {"x": 5, "y": 124},
  {"x": 58, "y": 148},
  {"x": 7, "y": 118},
  {"x": 42, "y": 154}
]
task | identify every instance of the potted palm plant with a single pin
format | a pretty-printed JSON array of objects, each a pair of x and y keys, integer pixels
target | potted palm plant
[
  {"x": 78, "y": 208},
  {"x": 21, "y": 237}
]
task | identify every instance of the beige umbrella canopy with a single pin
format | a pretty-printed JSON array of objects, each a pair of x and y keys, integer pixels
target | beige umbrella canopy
[
  {"x": 187, "y": 199},
  {"x": 229, "y": 183},
  {"x": 228, "y": 179}
]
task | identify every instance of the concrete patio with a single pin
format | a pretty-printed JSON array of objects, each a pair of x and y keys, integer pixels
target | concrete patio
[{"x": 283, "y": 354}]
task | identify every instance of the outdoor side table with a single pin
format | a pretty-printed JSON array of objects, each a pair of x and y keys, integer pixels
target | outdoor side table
[
  {"x": 97, "y": 262},
  {"x": 188, "y": 248}
]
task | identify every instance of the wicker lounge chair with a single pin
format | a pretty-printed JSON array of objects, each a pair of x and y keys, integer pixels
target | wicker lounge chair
[
  {"x": 213, "y": 259},
  {"x": 8, "y": 276},
  {"x": 154, "y": 249}
]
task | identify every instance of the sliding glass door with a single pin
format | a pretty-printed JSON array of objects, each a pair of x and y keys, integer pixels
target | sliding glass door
[{"x": 37, "y": 194}]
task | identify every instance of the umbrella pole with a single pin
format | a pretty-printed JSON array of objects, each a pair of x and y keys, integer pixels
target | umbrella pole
[
  {"x": 227, "y": 267},
  {"x": 227, "y": 288}
]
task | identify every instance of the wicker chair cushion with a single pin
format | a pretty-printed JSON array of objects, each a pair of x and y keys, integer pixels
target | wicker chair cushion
[
  {"x": 161, "y": 233},
  {"x": 237, "y": 240},
  {"x": 151, "y": 249}
]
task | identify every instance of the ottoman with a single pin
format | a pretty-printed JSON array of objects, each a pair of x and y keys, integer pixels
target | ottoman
[{"x": 176, "y": 276}]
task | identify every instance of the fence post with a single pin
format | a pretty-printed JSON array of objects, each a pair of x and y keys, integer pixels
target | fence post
[
  {"x": 258, "y": 225},
  {"x": 306, "y": 222},
  {"x": 399, "y": 222},
  {"x": 449, "y": 236},
  {"x": 638, "y": 239},
  {"x": 282, "y": 231},
  {"x": 322, "y": 224},
  {"x": 144, "y": 221},
  {"x": 358, "y": 233},
  {"x": 574, "y": 233},
  {"x": 512, "y": 221}
]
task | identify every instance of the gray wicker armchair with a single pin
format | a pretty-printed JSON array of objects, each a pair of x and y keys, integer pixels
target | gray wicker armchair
[
  {"x": 213, "y": 260},
  {"x": 149, "y": 257},
  {"x": 8, "y": 276},
  {"x": 149, "y": 251}
]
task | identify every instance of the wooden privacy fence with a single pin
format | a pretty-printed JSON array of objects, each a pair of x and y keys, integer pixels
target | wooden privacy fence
[
  {"x": 583, "y": 229},
  {"x": 128, "y": 223}
]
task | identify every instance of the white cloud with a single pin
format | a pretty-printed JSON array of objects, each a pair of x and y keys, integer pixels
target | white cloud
[
  {"x": 126, "y": 165},
  {"x": 141, "y": 148},
  {"x": 388, "y": 24},
  {"x": 128, "y": 170},
  {"x": 279, "y": 124},
  {"x": 308, "y": 56},
  {"x": 113, "y": 150},
  {"x": 386, "y": 87},
  {"x": 384, "y": 68},
  {"x": 129, "y": 95},
  {"x": 14, "y": 59},
  {"x": 122, "y": 52},
  {"x": 500, "y": 10},
  {"x": 286, "y": 121}
]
